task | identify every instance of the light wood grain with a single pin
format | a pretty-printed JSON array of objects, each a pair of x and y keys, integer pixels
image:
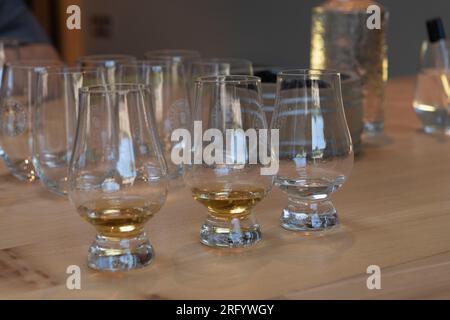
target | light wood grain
[{"x": 395, "y": 213}]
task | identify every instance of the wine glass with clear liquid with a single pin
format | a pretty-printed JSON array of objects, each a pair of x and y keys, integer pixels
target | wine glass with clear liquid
[
  {"x": 117, "y": 175},
  {"x": 316, "y": 154},
  {"x": 224, "y": 176}
]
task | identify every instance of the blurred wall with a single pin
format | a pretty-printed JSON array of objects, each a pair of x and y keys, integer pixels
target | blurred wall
[{"x": 273, "y": 32}]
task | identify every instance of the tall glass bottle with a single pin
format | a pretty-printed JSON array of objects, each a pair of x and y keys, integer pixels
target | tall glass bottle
[{"x": 341, "y": 39}]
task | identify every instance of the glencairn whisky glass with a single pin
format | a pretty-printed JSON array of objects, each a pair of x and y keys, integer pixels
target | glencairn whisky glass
[
  {"x": 107, "y": 62},
  {"x": 225, "y": 173},
  {"x": 316, "y": 154},
  {"x": 18, "y": 98},
  {"x": 117, "y": 175},
  {"x": 220, "y": 67},
  {"x": 55, "y": 121},
  {"x": 217, "y": 67},
  {"x": 183, "y": 56},
  {"x": 167, "y": 83}
]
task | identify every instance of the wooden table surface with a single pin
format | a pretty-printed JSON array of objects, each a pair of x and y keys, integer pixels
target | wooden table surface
[{"x": 395, "y": 213}]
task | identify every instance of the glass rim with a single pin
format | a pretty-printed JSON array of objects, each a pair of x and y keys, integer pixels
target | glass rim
[
  {"x": 308, "y": 72},
  {"x": 106, "y": 57},
  {"x": 34, "y": 63},
  {"x": 68, "y": 70},
  {"x": 114, "y": 88},
  {"x": 236, "y": 79},
  {"x": 221, "y": 61},
  {"x": 173, "y": 53},
  {"x": 148, "y": 63}
]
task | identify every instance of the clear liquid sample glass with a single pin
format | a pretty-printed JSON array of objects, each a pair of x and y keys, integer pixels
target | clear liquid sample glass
[{"x": 316, "y": 153}]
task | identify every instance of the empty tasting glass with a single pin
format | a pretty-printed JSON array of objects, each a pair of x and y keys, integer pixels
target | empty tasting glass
[
  {"x": 167, "y": 83},
  {"x": 55, "y": 120},
  {"x": 224, "y": 173},
  {"x": 217, "y": 67},
  {"x": 18, "y": 98},
  {"x": 9, "y": 52},
  {"x": 108, "y": 62},
  {"x": 117, "y": 175},
  {"x": 183, "y": 56},
  {"x": 316, "y": 155}
]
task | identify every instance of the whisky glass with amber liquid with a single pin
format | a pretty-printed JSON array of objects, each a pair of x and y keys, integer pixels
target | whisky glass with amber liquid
[
  {"x": 117, "y": 175},
  {"x": 225, "y": 172}
]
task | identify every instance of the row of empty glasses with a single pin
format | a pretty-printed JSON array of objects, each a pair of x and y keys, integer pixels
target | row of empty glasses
[
  {"x": 103, "y": 133},
  {"x": 43, "y": 84}
]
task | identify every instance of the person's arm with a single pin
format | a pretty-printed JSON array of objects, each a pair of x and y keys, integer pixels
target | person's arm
[{"x": 17, "y": 22}]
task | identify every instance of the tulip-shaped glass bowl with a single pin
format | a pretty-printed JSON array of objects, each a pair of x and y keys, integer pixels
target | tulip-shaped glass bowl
[{"x": 315, "y": 155}]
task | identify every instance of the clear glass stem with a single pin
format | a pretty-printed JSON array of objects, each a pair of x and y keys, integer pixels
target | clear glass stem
[
  {"x": 230, "y": 233},
  {"x": 309, "y": 215},
  {"x": 120, "y": 254}
]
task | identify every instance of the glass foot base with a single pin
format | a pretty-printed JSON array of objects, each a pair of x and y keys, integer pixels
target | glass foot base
[
  {"x": 309, "y": 216},
  {"x": 436, "y": 130},
  {"x": 58, "y": 188},
  {"x": 234, "y": 233},
  {"x": 115, "y": 254},
  {"x": 375, "y": 127},
  {"x": 174, "y": 172},
  {"x": 23, "y": 170}
]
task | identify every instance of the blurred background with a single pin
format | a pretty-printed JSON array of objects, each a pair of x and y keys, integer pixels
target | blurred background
[{"x": 266, "y": 32}]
